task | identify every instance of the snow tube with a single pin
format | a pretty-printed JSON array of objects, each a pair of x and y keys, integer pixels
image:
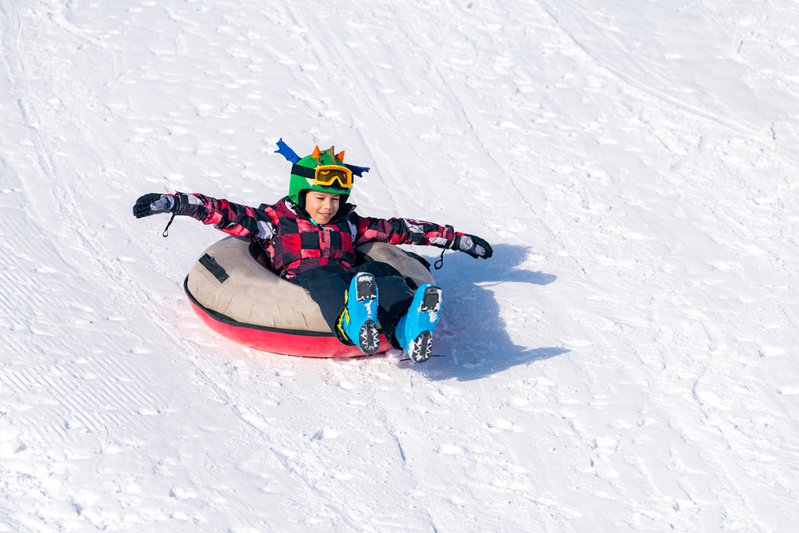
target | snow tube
[{"x": 235, "y": 293}]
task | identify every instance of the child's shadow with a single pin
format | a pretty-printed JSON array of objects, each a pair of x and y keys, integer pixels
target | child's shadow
[{"x": 472, "y": 337}]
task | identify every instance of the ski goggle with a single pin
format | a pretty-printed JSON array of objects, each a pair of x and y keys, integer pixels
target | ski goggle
[{"x": 326, "y": 175}]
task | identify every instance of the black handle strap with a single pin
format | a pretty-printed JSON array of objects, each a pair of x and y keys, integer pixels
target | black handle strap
[
  {"x": 214, "y": 268},
  {"x": 166, "y": 229},
  {"x": 440, "y": 263}
]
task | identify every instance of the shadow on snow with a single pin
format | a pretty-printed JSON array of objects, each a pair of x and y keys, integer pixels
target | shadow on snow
[{"x": 472, "y": 337}]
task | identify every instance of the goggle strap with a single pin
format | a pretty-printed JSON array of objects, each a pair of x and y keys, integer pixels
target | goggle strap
[{"x": 305, "y": 172}]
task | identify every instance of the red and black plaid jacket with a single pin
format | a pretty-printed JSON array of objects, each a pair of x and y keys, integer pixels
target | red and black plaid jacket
[{"x": 295, "y": 244}]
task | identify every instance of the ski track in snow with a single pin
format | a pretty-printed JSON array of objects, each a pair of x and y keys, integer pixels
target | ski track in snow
[{"x": 624, "y": 362}]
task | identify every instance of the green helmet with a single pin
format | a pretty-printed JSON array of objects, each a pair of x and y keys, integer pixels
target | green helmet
[{"x": 320, "y": 171}]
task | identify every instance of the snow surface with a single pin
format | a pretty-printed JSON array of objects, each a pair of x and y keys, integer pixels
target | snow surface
[{"x": 625, "y": 362}]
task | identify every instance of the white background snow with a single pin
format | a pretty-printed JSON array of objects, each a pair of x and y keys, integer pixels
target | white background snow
[{"x": 625, "y": 362}]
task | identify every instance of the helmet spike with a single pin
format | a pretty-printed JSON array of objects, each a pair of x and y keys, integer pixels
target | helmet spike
[
  {"x": 340, "y": 156},
  {"x": 330, "y": 152},
  {"x": 284, "y": 150},
  {"x": 316, "y": 153}
]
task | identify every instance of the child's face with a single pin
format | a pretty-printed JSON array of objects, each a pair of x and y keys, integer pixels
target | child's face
[{"x": 322, "y": 206}]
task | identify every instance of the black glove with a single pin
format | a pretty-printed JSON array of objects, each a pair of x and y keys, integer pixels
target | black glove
[
  {"x": 472, "y": 245},
  {"x": 154, "y": 203}
]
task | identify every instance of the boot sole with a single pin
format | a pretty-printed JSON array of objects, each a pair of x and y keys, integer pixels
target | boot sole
[
  {"x": 369, "y": 338},
  {"x": 366, "y": 288},
  {"x": 422, "y": 346},
  {"x": 431, "y": 300}
]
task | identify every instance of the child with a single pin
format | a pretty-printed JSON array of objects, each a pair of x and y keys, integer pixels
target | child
[{"x": 310, "y": 237}]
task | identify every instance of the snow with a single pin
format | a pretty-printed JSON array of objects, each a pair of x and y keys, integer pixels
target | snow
[{"x": 625, "y": 361}]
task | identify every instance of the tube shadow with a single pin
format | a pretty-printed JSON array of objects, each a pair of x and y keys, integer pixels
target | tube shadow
[{"x": 474, "y": 341}]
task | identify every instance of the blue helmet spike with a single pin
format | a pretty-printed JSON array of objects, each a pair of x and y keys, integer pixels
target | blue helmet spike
[
  {"x": 284, "y": 150},
  {"x": 356, "y": 170}
]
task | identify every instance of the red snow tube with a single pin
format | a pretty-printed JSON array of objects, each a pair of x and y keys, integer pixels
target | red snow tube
[{"x": 238, "y": 297}]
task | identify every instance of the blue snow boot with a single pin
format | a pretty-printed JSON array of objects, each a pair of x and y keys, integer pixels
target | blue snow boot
[
  {"x": 415, "y": 330},
  {"x": 357, "y": 321}
]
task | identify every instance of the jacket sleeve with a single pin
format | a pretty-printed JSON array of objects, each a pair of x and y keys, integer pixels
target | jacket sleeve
[
  {"x": 258, "y": 225},
  {"x": 403, "y": 231}
]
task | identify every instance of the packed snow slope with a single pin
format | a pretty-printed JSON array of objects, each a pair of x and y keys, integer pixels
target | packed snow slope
[{"x": 625, "y": 362}]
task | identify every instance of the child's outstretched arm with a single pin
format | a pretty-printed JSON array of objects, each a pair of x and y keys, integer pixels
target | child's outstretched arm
[
  {"x": 234, "y": 219},
  {"x": 406, "y": 231}
]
